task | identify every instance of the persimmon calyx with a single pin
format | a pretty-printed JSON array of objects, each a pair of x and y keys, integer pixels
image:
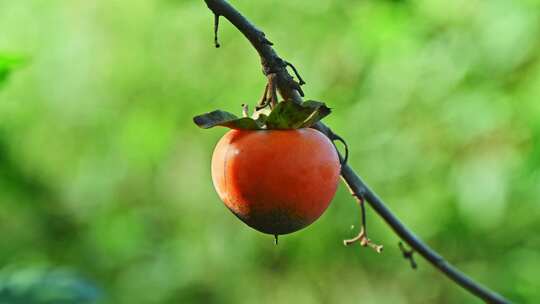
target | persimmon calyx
[{"x": 285, "y": 115}]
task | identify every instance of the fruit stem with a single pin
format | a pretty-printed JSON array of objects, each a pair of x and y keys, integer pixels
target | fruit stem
[{"x": 276, "y": 239}]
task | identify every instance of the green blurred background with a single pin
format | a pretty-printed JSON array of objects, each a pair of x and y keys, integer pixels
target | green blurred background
[{"x": 105, "y": 188}]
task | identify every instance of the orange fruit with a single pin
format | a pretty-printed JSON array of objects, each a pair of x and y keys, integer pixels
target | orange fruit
[{"x": 276, "y": 181}]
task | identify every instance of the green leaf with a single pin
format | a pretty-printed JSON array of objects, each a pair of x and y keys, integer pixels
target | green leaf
[
  {"x": 320, "y": 111},
  {"x": 286, "y": 115},
  {"x": 290, "y": 115},
  {"x": 226, "y": 119}
]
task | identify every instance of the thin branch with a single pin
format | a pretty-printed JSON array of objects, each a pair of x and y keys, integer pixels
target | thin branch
[
  {"x": 270, "y": 61},
  {"x": 334, "y": 137},
  {"x": 290, "y": 90},
  {"x": 272, "y": 90},
  {"x": 263, "y": 103},
  {"x": 475, "y": 288},
  {"x": 408, "y": 254},
  {"x": 216, "y": 30},
  {"x": 300, "y": 80},
  {"x": 362, "y": 236}
]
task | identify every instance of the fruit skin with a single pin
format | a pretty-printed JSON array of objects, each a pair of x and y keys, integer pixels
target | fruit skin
[{"x": 276, "y": 181}]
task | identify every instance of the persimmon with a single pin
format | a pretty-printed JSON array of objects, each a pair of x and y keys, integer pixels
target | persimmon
[{"x": 276, "y": 181}]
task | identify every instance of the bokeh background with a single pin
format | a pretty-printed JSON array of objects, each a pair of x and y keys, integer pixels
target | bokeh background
[{"x": 105, "y": 188}]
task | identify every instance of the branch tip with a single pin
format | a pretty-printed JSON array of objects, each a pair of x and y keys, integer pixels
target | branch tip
[
  {"x": 300, "y": 80},
  {"x": 362, "y": 236},
  {"x": 408, "y": 255},
  {"x": 364, "y": 241}
]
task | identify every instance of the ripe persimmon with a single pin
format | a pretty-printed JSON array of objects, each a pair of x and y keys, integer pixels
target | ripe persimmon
[{"x": 276, "y": 181}]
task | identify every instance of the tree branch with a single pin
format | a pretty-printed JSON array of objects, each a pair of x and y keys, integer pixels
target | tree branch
[{"x": 290, "y": 89}]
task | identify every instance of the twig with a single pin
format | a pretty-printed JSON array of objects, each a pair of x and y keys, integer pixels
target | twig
[
  {"x": 334, "y": 137},
  {"x": 271, "y": 62},
  {"x": 362, "y": 236},
  {"x": 408, "y": 254},
  {"x": 263, "y": 103},
  {"x": 300, "y": 80},
  {"x": 272, "y": 90},
  {"x": 216, "y": 30}
]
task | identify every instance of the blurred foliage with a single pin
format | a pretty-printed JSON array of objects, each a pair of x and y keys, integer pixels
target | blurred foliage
[
  {"x": 7, "y": 64},
  {"x": 42, "y": 286},
  {"x": 103, "y": 172}
]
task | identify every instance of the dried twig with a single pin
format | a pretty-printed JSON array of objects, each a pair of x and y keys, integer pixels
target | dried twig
[
  {"x": 300, "y": 80},
  {"x": 408, "y": 254},
  {"x": 362, "y": 236},
  {"x": 216, "y": 30}
]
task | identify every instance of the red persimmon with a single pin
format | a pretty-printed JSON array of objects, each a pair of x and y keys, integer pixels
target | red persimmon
[{"x": 276, "y": 181}]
